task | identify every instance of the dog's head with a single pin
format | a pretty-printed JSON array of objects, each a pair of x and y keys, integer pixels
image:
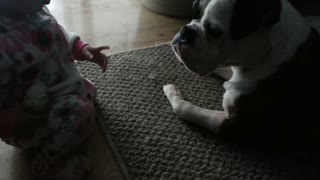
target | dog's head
[{"x": 225, "y": 32}]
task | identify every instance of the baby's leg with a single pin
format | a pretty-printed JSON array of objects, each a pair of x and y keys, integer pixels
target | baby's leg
[
  {"x": 71, "y": 120},
  {"x": 27, "y": 129}
]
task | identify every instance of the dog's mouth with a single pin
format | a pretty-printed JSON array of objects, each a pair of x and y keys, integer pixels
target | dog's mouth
[
  {"x": 183, "y": 44},
  {"x": 181, "y": 48},
  {"x": 179, "y": 51},
  {"x": 182, "y": 52}
]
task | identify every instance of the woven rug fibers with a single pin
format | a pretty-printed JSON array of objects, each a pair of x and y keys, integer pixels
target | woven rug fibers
[{"x": 154, "y": 144}]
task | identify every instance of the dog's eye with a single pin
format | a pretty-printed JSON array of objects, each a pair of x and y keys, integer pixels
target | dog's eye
[{"x": 212, "y": 32}]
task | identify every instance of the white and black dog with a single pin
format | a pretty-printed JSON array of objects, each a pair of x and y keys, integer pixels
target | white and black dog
[{"x": 274, "y": 54}]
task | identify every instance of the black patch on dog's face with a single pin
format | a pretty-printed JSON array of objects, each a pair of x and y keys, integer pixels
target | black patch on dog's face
[{"x": 249, "y": 15}]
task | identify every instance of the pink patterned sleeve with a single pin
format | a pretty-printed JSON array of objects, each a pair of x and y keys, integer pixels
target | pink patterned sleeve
[{"x": 77, "y": 49}]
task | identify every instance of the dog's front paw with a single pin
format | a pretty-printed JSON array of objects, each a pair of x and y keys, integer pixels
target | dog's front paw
[{"x": 172, "y": 92}]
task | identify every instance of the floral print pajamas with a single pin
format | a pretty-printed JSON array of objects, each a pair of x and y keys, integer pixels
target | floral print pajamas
[{"x": 39, "y": 77}]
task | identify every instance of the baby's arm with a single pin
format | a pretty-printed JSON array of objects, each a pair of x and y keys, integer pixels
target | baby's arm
[
  {"x": 76, "y": 45},
  {"x": 83, "y": 51},
  {"x": 74, "y": 41}
]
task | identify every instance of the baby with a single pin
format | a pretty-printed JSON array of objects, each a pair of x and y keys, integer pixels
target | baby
[{"x": 45, "y": 104}]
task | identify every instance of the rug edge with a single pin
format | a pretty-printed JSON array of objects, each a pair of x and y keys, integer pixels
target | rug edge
[{"x": 122, "y": 167}]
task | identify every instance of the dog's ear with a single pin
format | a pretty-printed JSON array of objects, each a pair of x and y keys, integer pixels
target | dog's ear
[
  {"x": 196, "y": 9},
  {"x": 249, "y": 15}
]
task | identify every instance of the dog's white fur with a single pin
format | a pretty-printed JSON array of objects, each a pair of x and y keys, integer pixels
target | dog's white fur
[{"x": 269, "y": 47}]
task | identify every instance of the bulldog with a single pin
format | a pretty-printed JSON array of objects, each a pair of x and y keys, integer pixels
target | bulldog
[{"x": 273, "y": 54}]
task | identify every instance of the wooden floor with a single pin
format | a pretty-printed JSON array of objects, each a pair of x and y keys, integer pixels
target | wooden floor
[{"x": 122, "y": 24}]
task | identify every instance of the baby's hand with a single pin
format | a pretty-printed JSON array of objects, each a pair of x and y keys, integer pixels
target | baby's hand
[{"x": 95, "y": 55}]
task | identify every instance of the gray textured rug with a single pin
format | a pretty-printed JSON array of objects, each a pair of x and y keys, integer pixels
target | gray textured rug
[{"x": 154, "y": 144}]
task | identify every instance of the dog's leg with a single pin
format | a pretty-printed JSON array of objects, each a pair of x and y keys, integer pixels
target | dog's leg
[{"x": 190, "y": 112}]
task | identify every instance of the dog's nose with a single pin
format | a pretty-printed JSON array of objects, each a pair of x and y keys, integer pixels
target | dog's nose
[{"x": 188, "y": 34}]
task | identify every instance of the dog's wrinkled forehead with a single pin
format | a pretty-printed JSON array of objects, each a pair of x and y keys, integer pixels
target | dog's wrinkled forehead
[{"x": 242, "y": 17}]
